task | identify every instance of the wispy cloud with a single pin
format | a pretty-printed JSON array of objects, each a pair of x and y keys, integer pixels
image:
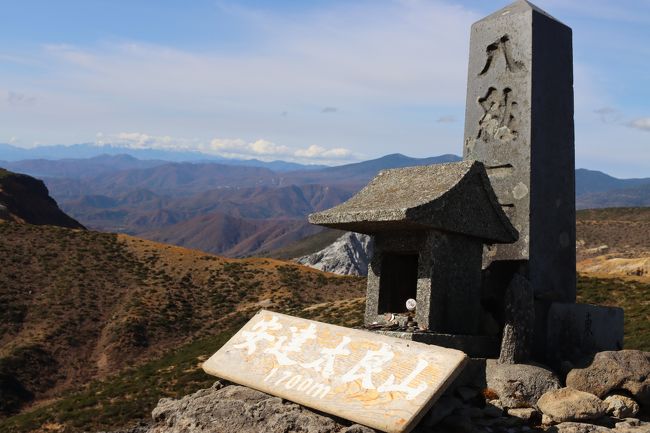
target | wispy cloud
[
  {"x": 642, "y": 123},
  {"x": 608, "y": 114},
  {"x": 327, "y": 110},
  {"x": 448, "y": 118},
  {"x": 17, "y": 99}
]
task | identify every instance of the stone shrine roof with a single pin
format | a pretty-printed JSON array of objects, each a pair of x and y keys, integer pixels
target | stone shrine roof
[{"x": 455, "y": 197}]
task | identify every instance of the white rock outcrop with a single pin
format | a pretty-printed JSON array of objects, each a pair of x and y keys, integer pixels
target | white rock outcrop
[{"x": 348, "y": 255}]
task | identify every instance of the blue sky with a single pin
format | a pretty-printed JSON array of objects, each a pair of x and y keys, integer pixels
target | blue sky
[{"x": 311, "y": 81}]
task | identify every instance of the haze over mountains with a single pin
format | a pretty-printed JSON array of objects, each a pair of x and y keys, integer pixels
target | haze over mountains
[{"x": 226, "y": 207}]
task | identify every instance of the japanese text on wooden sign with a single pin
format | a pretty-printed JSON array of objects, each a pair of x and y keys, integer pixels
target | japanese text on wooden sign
[{"x": 382, "y": 382}]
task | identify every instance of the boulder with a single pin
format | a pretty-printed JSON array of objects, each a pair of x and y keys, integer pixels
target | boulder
[
  {"x": 627, "y": 370},
  {"x": 242, "y": 410},
  {"x": 576, "y": 427},
  {"x": 519, "y": 385},
  {"x": 568, "y": 404},
  {"x": 348, "y": 255},
  {"x": 526, "y": 414},
  {"x": 621, "y": 406},
  {"x": 440, "y": 410}
]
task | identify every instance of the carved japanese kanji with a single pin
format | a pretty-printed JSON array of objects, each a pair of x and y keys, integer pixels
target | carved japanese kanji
[
  {"x": 499, "y": 118},
  {"x": 501, "y": 46}
]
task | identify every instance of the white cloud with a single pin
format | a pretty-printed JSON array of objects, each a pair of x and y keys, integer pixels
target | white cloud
[
  {"x": 642, "y": 123},
  {"x": 137, "y": 140},
  {"x": 241, "y": 148},
  {"x": 227, "y": 147},
  {"x": 318, "y": 152}
]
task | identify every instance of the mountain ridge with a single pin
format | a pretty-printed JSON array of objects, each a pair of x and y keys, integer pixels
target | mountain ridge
[
  {"x": 79, "y": 305},
  {"x": 161, "y": 200},
  {"x": 25, "y": 199}
]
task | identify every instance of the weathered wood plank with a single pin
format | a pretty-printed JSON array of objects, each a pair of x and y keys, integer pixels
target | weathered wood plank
[{"x": 383, "y": 382}]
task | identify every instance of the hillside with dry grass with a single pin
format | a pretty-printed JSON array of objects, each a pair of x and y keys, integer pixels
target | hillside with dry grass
[
  {"x": 614, "y": 242},
  {"x": 96, "y": 328},
  {"x": 82, "y": 305}
]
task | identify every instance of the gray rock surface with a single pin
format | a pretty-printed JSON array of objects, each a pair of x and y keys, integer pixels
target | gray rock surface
[
  {"x": 627, "y": 370},
  {"x": 442, "y": 409},
  {"x": 576, "y": 427},
  {"x": 519, "y": 123},
  {"x": 519, "y": 321},
  {"x": 527, "y": 414},
  {"x": 348, "y": 255},
  {"x": 519, "y": 385},
  {"x": 241, "y": 410},
  {"x": 568, "y": 404}
]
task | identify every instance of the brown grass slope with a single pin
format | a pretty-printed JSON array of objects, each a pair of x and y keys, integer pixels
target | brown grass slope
[
  {"x": 621, "y": 231},
  {"x": 25, "y": 199},
  {"x": 231, "y": 236},
  {"x": 79, "y": 305}
]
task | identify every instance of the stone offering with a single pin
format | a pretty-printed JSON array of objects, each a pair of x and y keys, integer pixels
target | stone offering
[{"x": 381, "y": 382}]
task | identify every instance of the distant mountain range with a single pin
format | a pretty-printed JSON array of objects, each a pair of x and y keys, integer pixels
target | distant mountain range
[
  {"x": 595, "y": 189},
  {"x": 239, "y": 210},
  {"x": 76, "y": 152}
]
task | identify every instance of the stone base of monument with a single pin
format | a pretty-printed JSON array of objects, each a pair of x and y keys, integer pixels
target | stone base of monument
[
  {"x": 578, "y": 330},
  {"x": 564, "y": 332},
  {"x": 475, "y": 346}
]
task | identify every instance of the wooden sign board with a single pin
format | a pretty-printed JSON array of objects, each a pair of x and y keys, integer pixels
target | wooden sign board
[{"x": 382, "y": 382}]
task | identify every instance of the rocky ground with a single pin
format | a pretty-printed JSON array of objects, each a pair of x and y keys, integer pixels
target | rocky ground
[
  {"x": 607, "y": 395},
  {"x": 348, "y": 255}
]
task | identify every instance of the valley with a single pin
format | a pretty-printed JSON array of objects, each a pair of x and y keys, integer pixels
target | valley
[{"x": 239, "y": 208}]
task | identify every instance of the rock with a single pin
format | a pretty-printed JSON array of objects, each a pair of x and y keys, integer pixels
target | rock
[
  {"x": 466, "y": 393},
  {"x": 358, "y": 428},
  {"x": 348, "y": 255},
  {"x": 568, "y": 404},
  {"x": 519, "y": 385},
  {"x": 441, "y": 409},
  {"x": 492, "y": 411},
  {"x": 458, "y": 423},
  {"x": 519, "y": 322},
  {"x": 496, "y": 403},
  {"x": 469, "y": 412},
  {"x": 501, "y": 422},
  {"x": 242, "y": 410},
  {"x": 632, "y": 421},
  {"x": 625, "y": 369},
  {"x": 576, "y": 427},
  {"x": 526, "y": 414},
  {"x": 621, "y": 406}
]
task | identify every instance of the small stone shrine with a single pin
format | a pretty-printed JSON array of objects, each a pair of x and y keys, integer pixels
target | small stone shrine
[{"x": 430, "y": 223}]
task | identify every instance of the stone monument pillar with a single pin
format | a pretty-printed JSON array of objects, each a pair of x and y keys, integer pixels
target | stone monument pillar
[{"x": 519, "y": 123}]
